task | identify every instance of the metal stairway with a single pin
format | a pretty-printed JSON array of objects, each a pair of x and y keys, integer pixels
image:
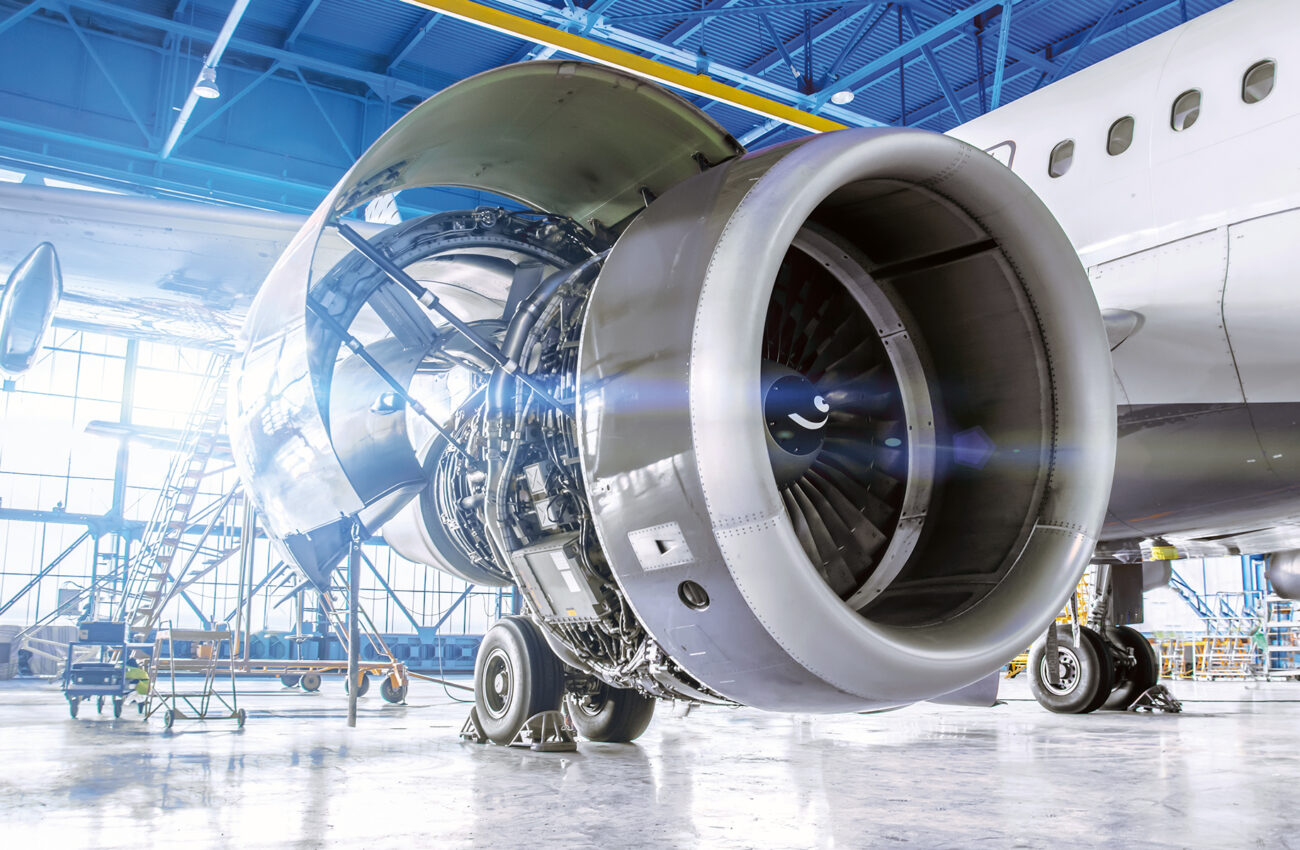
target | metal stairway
[{"x": 150, "y": 579}]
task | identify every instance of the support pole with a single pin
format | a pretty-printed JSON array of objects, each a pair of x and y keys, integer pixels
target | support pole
[
  {"x": 247, "y": 536},
  {"x": 354, "y": 624}
]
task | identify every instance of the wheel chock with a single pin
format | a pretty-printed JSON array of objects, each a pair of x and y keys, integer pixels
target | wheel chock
[
  {"x": 1157, "y": 698},
  {"x": 547, "y": 732},
  {"x": 472, "y": 731}
]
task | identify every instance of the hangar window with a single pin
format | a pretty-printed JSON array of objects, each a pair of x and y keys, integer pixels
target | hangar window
[
  {"x": 1120, "y": 136},
  {"x": 1061, "y": 159},
  {"x": 1187, "y": 108},
  {"x": 1258, "y": 82}
]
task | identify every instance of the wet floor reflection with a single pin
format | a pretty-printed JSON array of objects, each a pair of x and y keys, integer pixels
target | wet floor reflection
[{"x": 296, "y": 776}]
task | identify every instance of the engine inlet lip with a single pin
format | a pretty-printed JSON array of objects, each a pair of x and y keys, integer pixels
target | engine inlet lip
[{"x": 880, "y": 662}]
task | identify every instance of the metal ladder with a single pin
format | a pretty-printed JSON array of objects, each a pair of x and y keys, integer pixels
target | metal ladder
[{"x": 149, "y": 575}]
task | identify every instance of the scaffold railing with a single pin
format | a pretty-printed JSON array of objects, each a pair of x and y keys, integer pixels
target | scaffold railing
[{"x": 150, "y": 582}]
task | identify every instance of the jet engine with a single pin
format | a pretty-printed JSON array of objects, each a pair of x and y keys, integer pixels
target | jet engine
[{"x": 822, "y": 427}]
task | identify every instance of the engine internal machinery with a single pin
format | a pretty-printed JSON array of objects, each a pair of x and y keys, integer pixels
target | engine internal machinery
[{"x": 823, "y": 427}]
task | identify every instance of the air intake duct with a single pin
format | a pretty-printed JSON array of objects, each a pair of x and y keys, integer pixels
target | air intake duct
[{"x": 846, "y": 420}]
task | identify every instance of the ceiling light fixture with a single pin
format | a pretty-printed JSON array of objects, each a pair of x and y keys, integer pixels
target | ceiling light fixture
[
  {"x": 207, "y": 84},
  {"x": 842, "y": 97}
]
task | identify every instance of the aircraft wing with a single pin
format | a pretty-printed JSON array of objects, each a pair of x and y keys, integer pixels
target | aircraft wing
[{"x": 168, "y": 270}]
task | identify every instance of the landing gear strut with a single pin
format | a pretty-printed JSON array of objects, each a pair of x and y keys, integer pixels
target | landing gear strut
[
  {"x": 519, "y": 685},
  {"x": 1111, "y": 666},
  {"x": 1085, "y": 673},
  {"x": 516, "y": 676}
]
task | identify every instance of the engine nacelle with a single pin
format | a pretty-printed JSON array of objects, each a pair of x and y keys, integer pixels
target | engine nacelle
[
  {"x": 822, "y": 427},
  {"x": 963, "y": 454}
]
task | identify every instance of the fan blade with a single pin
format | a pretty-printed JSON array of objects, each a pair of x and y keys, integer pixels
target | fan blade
[
  {"x": 866, "y": 537},
  {"x": 837, "y": 572},
  {"x": 877, "y": 513}
]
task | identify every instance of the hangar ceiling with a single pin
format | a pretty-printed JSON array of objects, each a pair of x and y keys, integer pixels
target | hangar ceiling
[{"x": 90, "y": 90}]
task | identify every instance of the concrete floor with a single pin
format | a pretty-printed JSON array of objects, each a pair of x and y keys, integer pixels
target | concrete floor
[{"x": 1221, "y": 775}]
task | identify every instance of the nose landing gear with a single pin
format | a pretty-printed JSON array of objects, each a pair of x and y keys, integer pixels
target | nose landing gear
[{"x": 1111, "y": 666}]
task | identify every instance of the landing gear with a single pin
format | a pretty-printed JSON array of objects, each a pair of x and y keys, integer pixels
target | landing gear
[
  {"x": 1085, "y": 673},
  {"x": 611, "y": 714},
  {"x": 1135, "y": 678},
  {"x": 1114, "y": 666},
  {"x": 516, "y": 676}
]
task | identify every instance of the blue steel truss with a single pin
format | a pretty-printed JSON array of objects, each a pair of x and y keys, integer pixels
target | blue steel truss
[{"x": 91, "y": 89}]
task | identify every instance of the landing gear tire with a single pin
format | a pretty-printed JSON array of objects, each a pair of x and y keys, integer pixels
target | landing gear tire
[
  {"x": 612, "y": 715},
  {"x": 516, "y": 675},
  {"x": 1144, "y": 674},
  {"x": 364, "y": 679},
  {"x": 310, "y": 682},
  {"x": 390, "y": 693},
  {"x": 290, "y": 680},
  {"x": 1086, "y": 673}
]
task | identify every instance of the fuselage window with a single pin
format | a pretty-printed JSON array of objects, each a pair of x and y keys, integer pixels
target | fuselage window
[
  {"x": 1061, "y": 159},
  {"x": 1258, "y": 82},
  {"x": 1120, "y": 136},
  {"x": 1187, "y": 108}
]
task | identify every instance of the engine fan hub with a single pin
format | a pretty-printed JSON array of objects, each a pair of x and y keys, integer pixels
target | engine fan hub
[{"x": 796, "y": 414}]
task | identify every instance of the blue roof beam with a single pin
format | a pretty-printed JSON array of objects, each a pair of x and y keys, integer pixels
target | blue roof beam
[
  {"x": 412, "y": 40},
  {"x": 21, "y": 15},
  {"x": 884, "y": 73},
  {"x": 107, "y": 74},
  {"x": 824, "y": 29},
  {"x": 676, "y": 55},
  {"x": 301, "y": 23},
  {"x": 912, "y": 45},
  {"x": 1000, "y": 66},
  {"x": 1094, "y": 31},
  {"x": 1128, "y": 18},
  {"x": 687, "y": 28},
  {"x": 349, "y": 155},
  {"x": 226, "y": 104},
  {"x": 537, "y": 52},
  {"x": 376, "y": 81},
  {"x": 939, "y": 76},
  {"x": 733, "y": 10},
  {"x": 785, "y": 54},
  {"x": 769, "y": 126},
  {"x": 866, "y": 26}
]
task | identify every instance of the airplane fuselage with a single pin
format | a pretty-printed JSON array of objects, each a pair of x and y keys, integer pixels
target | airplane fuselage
[{"x": 1170, "y": 167}]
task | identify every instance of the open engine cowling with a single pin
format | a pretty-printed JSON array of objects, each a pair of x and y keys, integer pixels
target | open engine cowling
[
  {"x": 822, "y": 427},
  {"x": 965, "y": 506}
]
